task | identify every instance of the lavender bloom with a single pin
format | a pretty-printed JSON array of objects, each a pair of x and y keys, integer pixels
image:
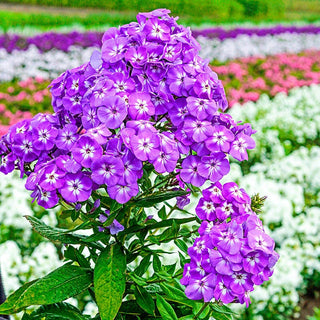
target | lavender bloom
[
  {"x": 140, "y": 106},
  {"x": 112, "y": 112},
  {"x": 86, "y": 150},
  {"x": 23, "y": 147},
  {"x": 122, "y": 192},
  {"x": 77, "y": 187},
  {"x": 51, "y": 178},
  {"x": 67, "y": 137},
  {"x": 157, "y": 30},
  {"x": 240, "y": 145},
  {"x": 46, "y": 199},
  {"x": 145, "y": 144},
  {"x": 107, "y": 170},
  {"x": 190, "y": 171},
  {"x": 7, "y": 163},
  {"x": 214, "y": 167}
]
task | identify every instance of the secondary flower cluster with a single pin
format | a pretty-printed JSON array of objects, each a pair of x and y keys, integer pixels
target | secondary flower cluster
[
  {"x": 147, "y": 96},
  {"x": 233, "y": 252}
]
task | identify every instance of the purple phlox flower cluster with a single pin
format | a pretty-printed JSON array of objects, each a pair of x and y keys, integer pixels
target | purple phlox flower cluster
[
  {"x": 233, "y": 253},
  {"x": 146, "y": 97}
]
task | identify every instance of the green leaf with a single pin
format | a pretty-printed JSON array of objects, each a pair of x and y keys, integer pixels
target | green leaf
[
  {"x": 222, "y": 312},
  {"x": 156, "y": 263},
  {"x": 138, "y": 280},
  {"x": 110, "y": 281},
  {"x": 181, "y": 245},
  {"x": 165, "y": 309},
  {"x": 131, "y": 307},
  {"x": 162, "y": 213},
  {"x": 75, "y": 215},
  {"x": 62, "y": 283},
  {"x": 56, "y": 234},
  {"x": 143, "y": 265},
  {"x": 150, "y": 201},
  {"x": 144, "y": 300},
  {"x": 63, "y": 311},
  {"x": 161, "y": 224},
  {"x": 74, "y": 255},
  {"x": 66, "y": 214},
  {"x": 176, "y": 295}
]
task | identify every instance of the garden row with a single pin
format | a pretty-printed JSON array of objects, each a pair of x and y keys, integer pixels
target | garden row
[
  {"x": 244, "y": 80},
  {"x": 63, "y": 41}
]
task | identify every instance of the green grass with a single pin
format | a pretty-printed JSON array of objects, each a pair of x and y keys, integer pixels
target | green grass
[{"x": 190, "y": 12}]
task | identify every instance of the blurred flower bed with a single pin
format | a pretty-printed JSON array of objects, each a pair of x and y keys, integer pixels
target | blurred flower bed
[
  {"x": 284, "y": 166},
  {"x": 247, "y": 78},
  {"x": 63, "y": 41}
]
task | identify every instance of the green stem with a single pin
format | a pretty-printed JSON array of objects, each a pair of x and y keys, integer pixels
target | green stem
[
  {"x": 171, "y": 175},
  {"x": 200, "y": 311},
  {"x": 151, "y": 244}
]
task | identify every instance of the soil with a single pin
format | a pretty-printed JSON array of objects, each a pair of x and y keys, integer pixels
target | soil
[{"x": 307, "y": 304}]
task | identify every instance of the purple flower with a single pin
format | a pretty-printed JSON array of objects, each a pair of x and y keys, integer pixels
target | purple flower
[
  {"x": 122, "y": 192},
  {"x": 77, "y": 187},
  {"x": 99, "y": 134},
  {"x": 214, "y": 167},
  {"x": 220, "y": 139},
  {"x": 240, "y": 145},
  {"x": 145, "y": 144},
  {"x": 51, "y": 178},
  {"x": 86, "y": 150},
  {"x": 46, "y": 199},
  {"x": 140, "y": 106},
  {"x": 132, "y": 167},
  {"x": 233, "y": 249},
  {"x": 197, "y": 129},
  {"x": 190, "y": 171},
  {"x": 67, "y": 136},
  {"x": 204, "y": 85},
  {"x": 199, "y": 289},
  {"x": 137, "y": 56},
  {"x": 112, "y": 112},
  {"x": 23, "y": 147},
  {"x": 201, "y": 108},
  {"x": 157, "y": 30},
  {"x": 7, "y": 163},
  {"x": 231, "y": 191},
  {"x": 206, "y": 210},
  {"x": 179, "y": 82},
  {"x": 89, "y": 118},
  {"x": 113, "y": 50},
  {"x": 107, "y": 170},
  {"x": 115, "y": 227}
]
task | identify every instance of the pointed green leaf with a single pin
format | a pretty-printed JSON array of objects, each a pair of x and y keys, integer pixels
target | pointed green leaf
[
  {"x": 162, "y": 213},
  {"x": 165, "y": 309},
  {"x": 181, "y": 245},
  {"x": 63, "y": 311},
  {"x": 156, "y": 263},
  {"x": 143, "y": 265},
  {"x": 110, "y": 281},
  {"x": 62, "y": 283},
  {"x": 138, "y": 280},
  {"x": 56, "y": 234},
  {"x": 176, "y": 295},
  {"x": 150, "y": 201},
  {"x": 144, "y": 300}
]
